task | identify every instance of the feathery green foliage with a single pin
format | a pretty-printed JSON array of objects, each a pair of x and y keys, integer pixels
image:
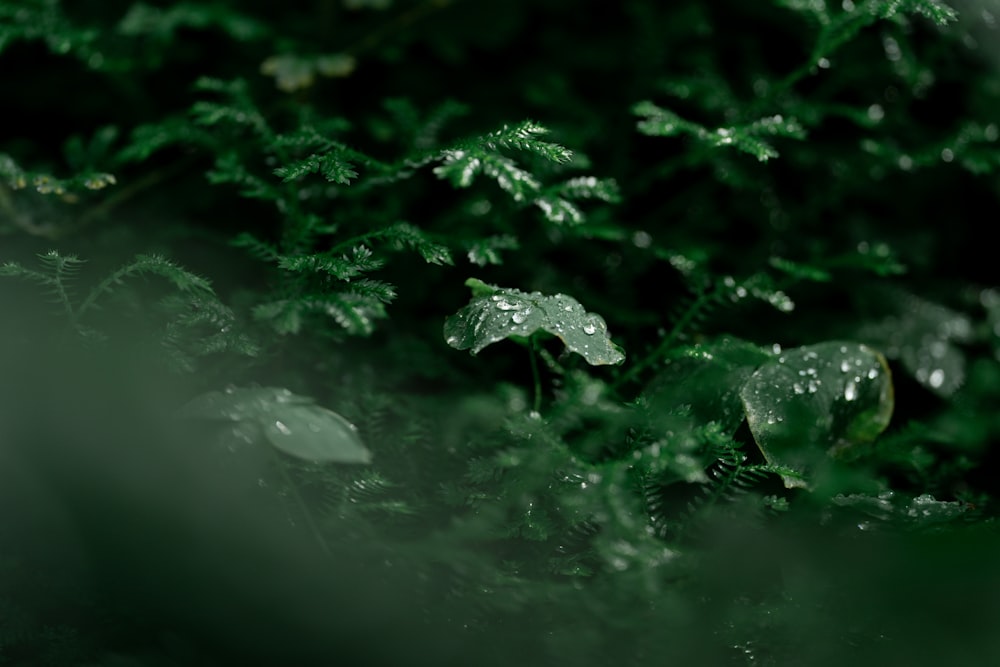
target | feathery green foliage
[{"x": 776, "y": 208}]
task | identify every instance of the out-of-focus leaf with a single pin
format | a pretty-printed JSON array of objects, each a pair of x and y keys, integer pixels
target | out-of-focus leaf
[{"x": 293, "y": 424}]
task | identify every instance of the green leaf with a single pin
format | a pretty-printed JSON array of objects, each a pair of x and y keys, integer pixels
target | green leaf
[
  {"x": 509, "y": 313},
  {"x": 816, "y": 400},
  {"x": 291, "y": 423},
  {"x": 923, "y": 336}
]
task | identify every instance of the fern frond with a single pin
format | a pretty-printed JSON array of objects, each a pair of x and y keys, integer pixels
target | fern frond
[
  {"x": 374, "y": 289},
  {"x": 330, "y": 165},
  {"x": 461, "y": 166},
  {"x": 936, "y": 11},
  {"x": 161, "y": 24},
  {"x": 17, "y": 179},
  {"x": 355, "y": 313},
  {"x": 344, "y": 267},
  {"x": 181, "y": 278},
  {"x": 260, "y": 250},
  {"x": 659, "y": 122},
  {"x": 201, "y": 326},
  {"x": 230, "y": 167},
  {"x": 487, "y": 251},
  {"x": 152, "y": 138},
  {"x": 590, "y": 187},
  {"x": 57, "y": 272},
  {"x": 213, "y": 113},
  {"x": 525, "y": 136},
  {"x": 46, "y": 21},
  {"x": 559, "y": 210},
  {"x": 405, "y": 235}
]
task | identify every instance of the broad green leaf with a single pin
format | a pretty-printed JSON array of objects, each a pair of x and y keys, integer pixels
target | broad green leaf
[
  {"x": 293, "y": 424},
  {"x": 494, "y": 314},
  {"x": 314, "y": 433},
  {"x": 923, "y": 336},
  {"x": 816, "y": 400}
]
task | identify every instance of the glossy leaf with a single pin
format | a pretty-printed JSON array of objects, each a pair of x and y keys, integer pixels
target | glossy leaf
[
  {"x": 494, "y": 314},
  {"x": 314, "y": 433},
  {"x": 922, "y": 335},
  {"x": 815, "y": 400},
  {"x": 293, "y": 424}
]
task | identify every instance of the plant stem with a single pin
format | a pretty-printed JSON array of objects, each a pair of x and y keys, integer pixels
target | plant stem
[
  {"x": 667, "y": 340},
  {"x": 536, "y": 377},
  {"x": 306, "y": 514}
]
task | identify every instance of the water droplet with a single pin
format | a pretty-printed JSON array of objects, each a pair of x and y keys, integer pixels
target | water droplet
[
  {"x": 936, "y": 378},
  {"x": 845, "y": 366},
  {"x": 589, "y": 328},
  {"x": 872, "y": 373},
  {"x": 642, "y": 239},
  {"x": 520, "y": 316},
  {"x": 452, "y": 340},
  {"x": 851, "y": 391},
  {"x": 282, "y": 428},
  {"x": 947, "y": 154},
  {"x": 504, "y": 304},
  {"x": 823, "y": 63}
]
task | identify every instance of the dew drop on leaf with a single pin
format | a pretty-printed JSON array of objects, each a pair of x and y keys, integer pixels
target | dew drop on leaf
[
  {"x": 797, "y": 422},
  {"x": 559, "y": 315}
]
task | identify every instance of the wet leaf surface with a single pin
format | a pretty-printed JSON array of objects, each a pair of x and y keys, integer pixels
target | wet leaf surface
[
  {"x": 496, "y": 314},
  {"x": 293, "y": 424},
  {"x": 815, "y": 400},
  {"x": 924, "y": 337}
]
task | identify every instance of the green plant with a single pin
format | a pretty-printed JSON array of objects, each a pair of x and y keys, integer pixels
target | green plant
[{"x": 733, "y": 324}]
